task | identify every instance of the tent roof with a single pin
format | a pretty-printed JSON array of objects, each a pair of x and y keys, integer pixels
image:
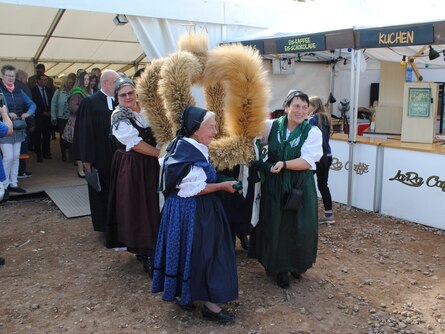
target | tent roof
[
  {"x": 343, "y": 31},
  {"x": 68, "y": 35},
  {"x": 66, "y": 40}
]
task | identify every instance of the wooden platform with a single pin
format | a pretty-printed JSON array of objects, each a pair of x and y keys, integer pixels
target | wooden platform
[{"x": 59, "y": 180}]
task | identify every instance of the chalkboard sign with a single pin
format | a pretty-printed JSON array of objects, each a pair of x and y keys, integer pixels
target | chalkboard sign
[
  {"x": 298, "y": 44},
  {"x": 419, "y": 102}
]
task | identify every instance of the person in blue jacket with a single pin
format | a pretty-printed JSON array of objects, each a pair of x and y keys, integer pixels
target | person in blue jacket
[{"x": 20, "y": 107}]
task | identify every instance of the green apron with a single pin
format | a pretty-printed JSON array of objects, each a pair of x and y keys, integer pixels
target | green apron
[{"x": 286, "y": 241}]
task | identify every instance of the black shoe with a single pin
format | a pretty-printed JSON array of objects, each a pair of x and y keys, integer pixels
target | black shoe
[
  {"x": 186, "y": 307},
  {"x": 222, "y": 316},
  {"x": 5, "y": 196},
  {"x": 2, "y": 261},
  {"x": 24, "y": 175},
  {"x": 244, "y": 242},
  {"x": 283, "y": 280},
  {"x": 148, "y": 265},
  {"x": 47, "y": 156},
  {"x": 17, "y": 189}
]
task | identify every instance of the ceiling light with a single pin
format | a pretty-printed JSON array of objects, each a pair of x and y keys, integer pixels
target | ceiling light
[
  {"x": 120, "y": 20},
  {"x": 403, "y": 62},
  {"x": 433, "y": 54}
]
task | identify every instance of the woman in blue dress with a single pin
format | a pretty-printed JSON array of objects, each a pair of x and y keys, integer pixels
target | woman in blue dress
[{"x": 194, "y": 257}]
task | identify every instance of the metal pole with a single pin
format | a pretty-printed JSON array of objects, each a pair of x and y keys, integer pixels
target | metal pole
[{"x": 355, "y": 75}]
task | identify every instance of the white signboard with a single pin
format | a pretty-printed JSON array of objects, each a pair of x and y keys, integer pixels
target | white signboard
[{"x": 413, "y": 186}]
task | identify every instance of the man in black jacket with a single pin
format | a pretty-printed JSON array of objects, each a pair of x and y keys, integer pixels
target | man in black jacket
[
  {"x": 95, "y": 149},
  {"x": 42, "y": 96}
]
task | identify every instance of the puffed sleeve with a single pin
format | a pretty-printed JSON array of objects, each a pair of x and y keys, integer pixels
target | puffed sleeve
[
  {"x": 127, "y": 135},
  {"x": 312, "y": 149},
  {"x": 193, "y": 183}
]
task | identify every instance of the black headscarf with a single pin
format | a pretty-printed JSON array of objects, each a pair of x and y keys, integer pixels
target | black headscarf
[{"x": 191, "y": 120}]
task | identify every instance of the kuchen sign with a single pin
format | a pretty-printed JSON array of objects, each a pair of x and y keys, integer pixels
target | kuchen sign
[{"x": 421, "y": 34}]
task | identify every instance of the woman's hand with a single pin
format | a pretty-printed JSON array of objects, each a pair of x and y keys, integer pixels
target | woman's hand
[
  {"x": 228, "y": 186},
  {"x": 12, "y": 116},
  {"x": 277, "y": 167},
  {"x": 25, "y": 115}
]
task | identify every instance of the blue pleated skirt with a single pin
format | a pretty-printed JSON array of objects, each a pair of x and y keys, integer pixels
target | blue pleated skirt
[{"x": 194, "y": 256}]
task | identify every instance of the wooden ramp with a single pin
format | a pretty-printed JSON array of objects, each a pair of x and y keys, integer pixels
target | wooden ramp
[
  {"x": 59, "y": 180},
  {"x": 72, "y": 201}
]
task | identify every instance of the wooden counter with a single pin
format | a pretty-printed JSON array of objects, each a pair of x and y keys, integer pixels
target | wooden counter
[
  {"x": 400, "y": 179},
  {"x": 394, "y": 142}
]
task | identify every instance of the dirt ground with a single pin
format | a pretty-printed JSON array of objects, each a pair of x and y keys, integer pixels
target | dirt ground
[{"x": 374, "y": 274}]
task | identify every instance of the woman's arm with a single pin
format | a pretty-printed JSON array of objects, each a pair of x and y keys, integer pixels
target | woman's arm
[
  {"x": 194, "y": 184},
  {"x": 74, "y": 103},
  {"x": 6, "y": 120},
  {"x": 311, "y": 152},
  {"x": 221, "y": 186},
  {"x": 127, "y": 135},
  {"x": 31, "y": 106},
  {"x": 294, "y": 164},
  {"x": 144, "y": 148}
]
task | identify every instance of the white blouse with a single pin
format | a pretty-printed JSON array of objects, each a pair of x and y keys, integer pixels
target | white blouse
[
  {"x": 195, "y": 181},
  {"x": 312, "y": 149},
  {"x": 127, "y": 134}
]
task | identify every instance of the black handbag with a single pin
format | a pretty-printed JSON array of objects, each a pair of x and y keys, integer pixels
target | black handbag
[
  {"x": 294, "y": 199},
  {"x": 31, "y": 122},
  {"x": 19, "y": 124}
]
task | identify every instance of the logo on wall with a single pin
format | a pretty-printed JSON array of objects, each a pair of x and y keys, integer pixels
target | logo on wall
[
  {"x": 413, "y": 179},
  {"x": 359, "y": 168}
]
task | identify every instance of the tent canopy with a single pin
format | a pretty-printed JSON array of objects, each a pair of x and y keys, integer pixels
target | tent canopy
[
  {"x": 312, "y": 34},
  {"x": 66, "y": 40},
  {"x": 71, "y": 35}
]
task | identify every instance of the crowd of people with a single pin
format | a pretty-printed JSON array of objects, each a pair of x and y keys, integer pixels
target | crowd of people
[
  {"x": 187, "y": 246},
  {"x": 38, "y": 109}
]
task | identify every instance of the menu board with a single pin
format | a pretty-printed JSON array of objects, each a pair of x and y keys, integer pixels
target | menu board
[
  {"x": 296, "y": 44},
  {"x": 419, "y": 102}
]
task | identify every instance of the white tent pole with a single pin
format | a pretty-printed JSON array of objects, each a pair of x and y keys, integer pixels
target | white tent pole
[
  {"x": 355, "y": 92},
  {"x": 354, "y": 89}
]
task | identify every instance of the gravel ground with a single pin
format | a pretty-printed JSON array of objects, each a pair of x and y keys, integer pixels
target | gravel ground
[{"x": 374, "y": 274}]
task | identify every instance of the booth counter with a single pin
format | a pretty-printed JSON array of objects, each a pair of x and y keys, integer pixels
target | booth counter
[
  {"x": 404, "y": 180},
  {"x": 413, "y": 182}
]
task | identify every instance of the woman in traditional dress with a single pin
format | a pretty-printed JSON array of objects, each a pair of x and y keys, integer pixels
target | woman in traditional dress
[
  {"x": 285, "y": 240},
  {"x": 195, "y": 257},
  {"x": 71, "y": 130},
  {"x": 133, "y": 206}
]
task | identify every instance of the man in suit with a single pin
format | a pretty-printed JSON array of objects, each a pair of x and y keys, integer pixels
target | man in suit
[
  {"x": 32, "y": 81},
  {"x": 42, "y": 96},
  {"x": 94, "y": 145}
]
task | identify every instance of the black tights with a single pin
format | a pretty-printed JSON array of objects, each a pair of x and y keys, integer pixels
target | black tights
[{"x": 322, "y": 181}]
